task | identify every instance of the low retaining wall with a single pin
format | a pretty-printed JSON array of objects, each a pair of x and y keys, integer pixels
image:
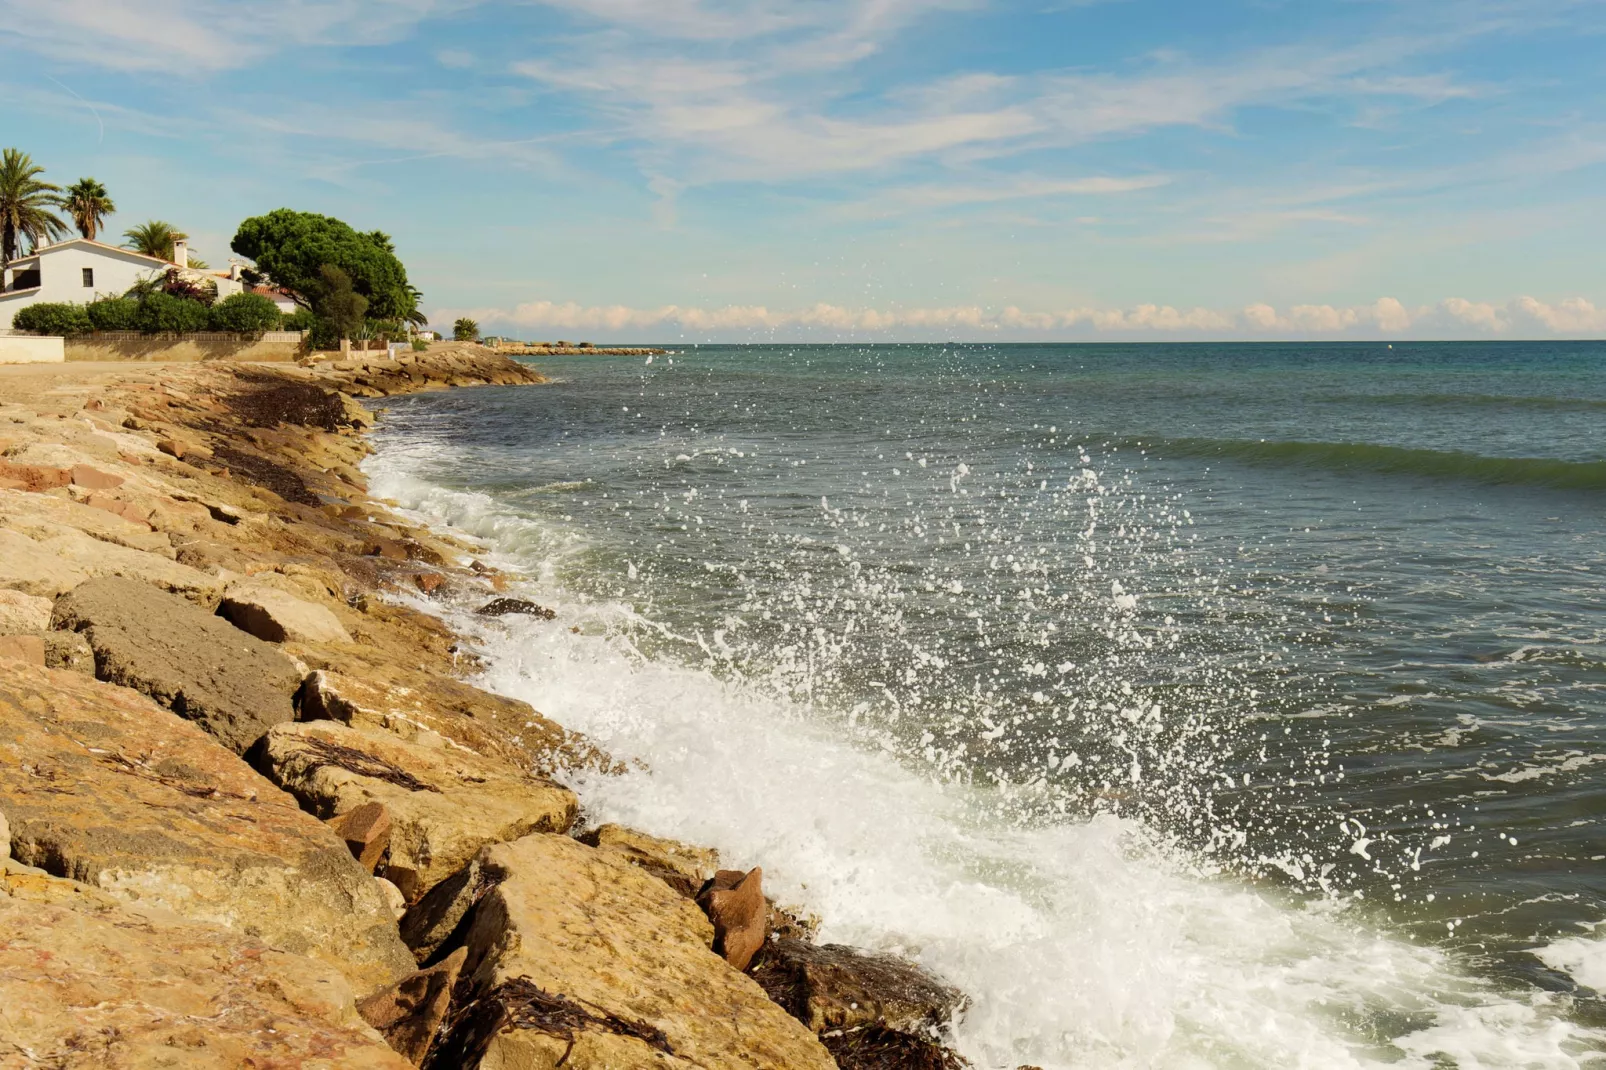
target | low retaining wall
[
  {"x": 30, "y": 349},
  {"x": 187, "y": 349}
]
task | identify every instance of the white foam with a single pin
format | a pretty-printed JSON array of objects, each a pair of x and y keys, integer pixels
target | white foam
[
  {"x": 1581, "y": 957},
  {"x": 1080, "y": 944}
]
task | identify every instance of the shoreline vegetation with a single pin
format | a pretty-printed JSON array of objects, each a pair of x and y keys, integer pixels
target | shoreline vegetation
[{"x": 252, "y": 814}]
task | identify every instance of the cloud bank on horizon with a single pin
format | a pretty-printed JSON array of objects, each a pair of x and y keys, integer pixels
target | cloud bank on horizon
[{"x": 735, "y": 169}]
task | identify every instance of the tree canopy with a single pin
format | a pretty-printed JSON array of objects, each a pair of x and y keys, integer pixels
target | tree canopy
[
  {"x": 88, "y": 203},
  {"x": 155, "y": 238},
  {"x": 26, "y": 201},
  {"x": 293, "y": 248}
]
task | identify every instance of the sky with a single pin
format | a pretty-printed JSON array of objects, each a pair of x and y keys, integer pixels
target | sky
[{"x": 756, "y": 170}]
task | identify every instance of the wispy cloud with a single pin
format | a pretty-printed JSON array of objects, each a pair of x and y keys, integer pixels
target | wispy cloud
[{"x": 1386, "y": 317}]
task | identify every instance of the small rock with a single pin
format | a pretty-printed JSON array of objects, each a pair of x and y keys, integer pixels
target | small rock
[
  {"x": 69, "y": 650},
  {"x": 389, "y": 549},
  {"x": 23, "y": 614},
  {"x": 25, "y": 648},
  {"x": 409, "y": 1013},
  {"x": 172, "y": 447},
  {"x": 394, "y": 897},
  {"x": 118, "y": 507},
  {"x": 366, "y": 831},
  {"x": 501, "y": 607},
  {"x": 429, "y": 582},
  {"x": 276, "y": 616},
  {"x": 94, "y": 479},
  {"x": 734, "y": 902}
]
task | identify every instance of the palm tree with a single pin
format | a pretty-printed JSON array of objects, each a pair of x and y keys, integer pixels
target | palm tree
[
  {"x": 156, "y": 238},
  {"x": 25, "y": 204},
  {"x": 89, "y": 204}
]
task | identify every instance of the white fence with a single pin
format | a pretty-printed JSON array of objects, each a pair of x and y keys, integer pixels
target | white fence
[{"x": 191, "y": 336}]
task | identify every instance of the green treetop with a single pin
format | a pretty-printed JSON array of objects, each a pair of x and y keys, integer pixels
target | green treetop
[
  {"x": 88, "y": 203},
  {"x": 293, "y": 248},
  {"x": 25, "y": 205}
]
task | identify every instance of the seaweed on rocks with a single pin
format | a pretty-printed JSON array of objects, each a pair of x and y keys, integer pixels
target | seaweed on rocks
[
  {"x": 879, "y": 1048},
  {"x": 324, "y": 752},
  {"x": 269, "y": 475},
  {"x": 306, "y": 404},
  {"x": 521, "y": 1004}
]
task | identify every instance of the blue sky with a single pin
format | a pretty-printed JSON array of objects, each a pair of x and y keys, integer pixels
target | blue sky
[{"x": 878, "y": 169}]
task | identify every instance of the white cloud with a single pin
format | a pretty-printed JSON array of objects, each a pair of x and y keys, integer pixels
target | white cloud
[{"x": 1386, "y": 317}]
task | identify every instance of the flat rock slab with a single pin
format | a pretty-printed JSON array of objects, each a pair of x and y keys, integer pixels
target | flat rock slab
[
  {"x": 101, "y": 785},
  {"x": 680, "y": 865},
  {"x": 55, "y": 564},
  {"x": 86, "y": 985},
  {"x": 444, "y": 804},
  {"x": 277, "y": 616},
  {"x": 198, "y": 665},
  {"x": 576, "y": 955}
]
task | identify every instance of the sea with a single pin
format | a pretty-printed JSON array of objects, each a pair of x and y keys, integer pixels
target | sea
[{"x": 1187, "y": 706}]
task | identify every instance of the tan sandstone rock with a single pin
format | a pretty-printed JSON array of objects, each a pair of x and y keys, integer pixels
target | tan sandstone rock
[
  {"x": 680, "y": 865},
  {"x": 101, "y": 785},
  {"x": 410, "y": 1012},
  {"x": 444, "y": 804},
  {"x": 276, "y": 616},
  {"x": 43, "y": 516},
  {"x": 29, "y": 649},
  {"x": 734, "y": 902},
  {"x": 576, "y": 955},
  {"x": 51, "y": 566},
  {"x": 131, "y": 988},
  {"x": 197, "y": 664},
  {"x": 23, "y": 614}
]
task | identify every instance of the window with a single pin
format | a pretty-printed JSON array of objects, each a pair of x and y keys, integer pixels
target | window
[{"x": 89, "y": 277}]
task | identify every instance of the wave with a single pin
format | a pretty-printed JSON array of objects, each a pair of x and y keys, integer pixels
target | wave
[
  {"x": 1501, "y": 401},
  {"x": 1393, "y": 460}
]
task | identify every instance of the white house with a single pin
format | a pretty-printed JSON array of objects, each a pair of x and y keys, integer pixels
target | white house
[{"x": 80, "y": 270}]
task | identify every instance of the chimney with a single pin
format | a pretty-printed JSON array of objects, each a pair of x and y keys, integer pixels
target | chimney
[
  {"x": 181, "y": 253},
  {"x": 234, "y": 270}
]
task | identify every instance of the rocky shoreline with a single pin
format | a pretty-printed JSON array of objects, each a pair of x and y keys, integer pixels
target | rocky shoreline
[{"x": 251, "y": 814}]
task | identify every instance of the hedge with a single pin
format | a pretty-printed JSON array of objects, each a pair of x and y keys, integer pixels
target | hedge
[
  {"x": 114, "y": 314},
  {"x": 245, "y": 313},
  {"x": 53, "y": 318},
  {"x": 161, "y": 312}
]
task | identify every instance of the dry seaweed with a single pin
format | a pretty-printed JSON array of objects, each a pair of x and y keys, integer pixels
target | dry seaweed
[
  {"x": 322, "y": 752},
  {"x": 877, "y": 1048},
  {"x": 521, "y": 1004}
]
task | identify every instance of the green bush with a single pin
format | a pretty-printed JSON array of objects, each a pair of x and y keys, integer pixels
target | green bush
[
  {"x": 302, "y": 319},
  {"x": 114, "y": 314},
  {"x": 419, "y": 345},
  {"x": 52, "y": 317},
  {"x": 323, "y": 334},
  {"x": 163, "y": 312},
  {"x": 246, "y": 314}
]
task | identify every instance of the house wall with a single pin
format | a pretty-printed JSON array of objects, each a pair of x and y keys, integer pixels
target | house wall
[{"x": 61, "y": 278}]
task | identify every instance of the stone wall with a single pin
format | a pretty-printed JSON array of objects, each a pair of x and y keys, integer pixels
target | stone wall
[
  {"x": 29, "y": 349},
  {"x": 156, "y": 349}
]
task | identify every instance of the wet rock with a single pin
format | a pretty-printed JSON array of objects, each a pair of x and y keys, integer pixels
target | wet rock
[
  {"x": 681, "y": 866},
  {"x": 832, "y": 987},
  {"x": 410, "y": 1012},
  {"x": 69, "y": 650},
  {"x": 103, "y": 786},
  {"x": 423, "y": 708},
  {"x": 366, "y": 831},
  {"x": 429, "y": 583},
  {"x": 29, "y": 649},
  {"x": 135, "y": 987},
  {"x": 277, "y": 616},
  {"x": 501, "y": 607},
  {"x": 878, "y": 1048},
  {"x": 444, "y": 805},
  {"x": 577, "y": 956},
  {"x": 734, "y": 902},
  {"x": 198, "y": 665},
  {"x": 389, "y": 549},
  {"x": 23, "y": 614}
]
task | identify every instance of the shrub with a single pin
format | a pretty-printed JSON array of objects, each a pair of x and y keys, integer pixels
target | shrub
[
  {"x": 162, "y": 312},
  {"x": 178, "y": 285},
  {"x": 114, "y": 314},
  {"x": 246, "y": 314},
  {"x": 419, "y": 345},
  {"x": 323, "y": 334},
  {"x": 302, "y": 319},
  {"x": 52, "y": 317}
]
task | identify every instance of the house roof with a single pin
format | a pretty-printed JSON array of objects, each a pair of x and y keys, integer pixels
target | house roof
[{"x": 119, "y": 250}]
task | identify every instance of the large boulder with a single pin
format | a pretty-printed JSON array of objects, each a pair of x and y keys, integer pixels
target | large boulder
[
  {"x": 425, "y": 708},
  {"x": 443, "y": 804},
  {"x": 101, "y": 785},
  {"x": 85, "y": 983},
  {"x": 680, "y": 865},
  {"x": 199, "y": 665},
  {"x": 277, "y": 616},
  {"x": 576, "y": 956}
]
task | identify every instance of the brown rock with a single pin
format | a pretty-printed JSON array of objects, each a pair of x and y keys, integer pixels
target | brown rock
[
  {"x": 366, "y": 831},
  {"x": 410, "y": 1012},
  {"x": 25, "y": 648},
  {"x": 841, "y": 988},
  {"x": 232, "y": 684},
  {"x": 135, "y": 988},
  {"x": 444, "y": 805},
  {"x": 101, "y": 785},
  {"x": 172, "y": 447},
  {"x": 129, "y": 511},
  {"x": 576, "y": 956},
  {"x": 45, "y": 516},
  {"x": 734, "y": 902},
  {"x": 389, "y": 549},
  {"x": 35, "y": 477},
  {"x": 681, "y": 866},
  {"x": 53, "y": 565},
  {"x": 501, "y": 607},
  {"x": 69, "y": 650},
  {"x": 94, "y": 479},
  {"x": 432, "y": 923},
  {"x": 429, "y": 582}
]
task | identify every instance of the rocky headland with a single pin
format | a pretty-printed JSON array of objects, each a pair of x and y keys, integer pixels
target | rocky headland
[{"x": 252, "y": 815}]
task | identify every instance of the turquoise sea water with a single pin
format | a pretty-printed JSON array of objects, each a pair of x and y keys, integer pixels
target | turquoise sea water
[{"x": 1191, "y": 705}]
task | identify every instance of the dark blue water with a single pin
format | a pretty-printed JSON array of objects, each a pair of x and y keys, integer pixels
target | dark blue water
[{"x": 1325, "y": 622}]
